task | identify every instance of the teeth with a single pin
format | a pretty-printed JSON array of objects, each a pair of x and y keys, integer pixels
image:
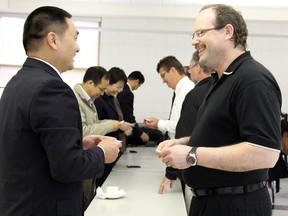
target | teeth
[{"x": 200, "y": 50}]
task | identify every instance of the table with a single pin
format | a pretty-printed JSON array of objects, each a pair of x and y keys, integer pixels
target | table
[
  {"x": 145, "y": 157},
  {"x": 141, "y": 187}
]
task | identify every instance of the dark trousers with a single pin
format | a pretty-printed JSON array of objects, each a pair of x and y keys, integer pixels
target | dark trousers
[
  {"x": 91, "y": 185},
  {"x": 256, "y": 203}
]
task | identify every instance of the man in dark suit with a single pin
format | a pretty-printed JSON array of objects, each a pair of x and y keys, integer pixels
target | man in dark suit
[
  {"x": 140, "y": 135},
  {"x": 43, "y": 159}
]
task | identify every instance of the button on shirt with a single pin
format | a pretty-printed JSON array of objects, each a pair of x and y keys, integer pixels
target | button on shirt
[{"x": 182, "y": 88}]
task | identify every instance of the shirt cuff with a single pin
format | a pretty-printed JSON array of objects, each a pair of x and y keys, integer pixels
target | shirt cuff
[
  {"x": 161, "y": 125},
  {"x": 102, "y": 150}
]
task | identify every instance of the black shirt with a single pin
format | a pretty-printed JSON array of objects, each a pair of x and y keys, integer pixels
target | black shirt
[
  {"x": 190, "y": 106},
  {"x": 243, "y": 105},
  {"x": 188, "y": 117}
]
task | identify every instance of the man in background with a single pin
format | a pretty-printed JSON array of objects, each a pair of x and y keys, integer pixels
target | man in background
[
  {"x": 172, "y": 73},
  {"x": 95, "y": 82},
  {"x": 140, "y": 135}
]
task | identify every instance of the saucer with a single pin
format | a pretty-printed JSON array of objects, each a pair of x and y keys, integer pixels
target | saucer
[
  {"x": 116, "y": 195},
  {"x": 109, "y": 195}
]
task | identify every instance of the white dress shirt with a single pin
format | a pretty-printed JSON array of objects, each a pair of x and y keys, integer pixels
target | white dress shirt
[{"x": 184, "y": 86}]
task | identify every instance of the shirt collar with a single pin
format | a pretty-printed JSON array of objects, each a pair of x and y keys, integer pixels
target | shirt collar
[
  {"x": 181, "y": 83},
  {"x": 129, "y": 86},
  {"x": 234, "y": 65},
  {"x": 48, "y": 64},
  {"x": 86, "y": 96},
  {"x": 237, "y": 62}
]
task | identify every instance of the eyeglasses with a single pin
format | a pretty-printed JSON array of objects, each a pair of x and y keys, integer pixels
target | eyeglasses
[
  {"x": 200, "y": 33},
  {"x": 163, "y": 75},
  {"x": 101, "y": 89},
  {"x": 190, "y": 68}
]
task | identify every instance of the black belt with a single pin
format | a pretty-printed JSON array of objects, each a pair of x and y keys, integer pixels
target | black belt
[{"x": 228, "y": 190}]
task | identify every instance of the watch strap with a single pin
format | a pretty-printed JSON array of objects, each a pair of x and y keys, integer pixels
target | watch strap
[{"x": 193, "y": 150}]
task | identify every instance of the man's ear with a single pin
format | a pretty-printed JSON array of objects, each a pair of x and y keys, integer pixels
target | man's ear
[
  {"x": 137, "y": 82},
  {"x": 90, "y": 82},
  {"x": 229, "y": 31},
  {"x": 173, "y": 70},
  {"x": 52, "y": 40}
]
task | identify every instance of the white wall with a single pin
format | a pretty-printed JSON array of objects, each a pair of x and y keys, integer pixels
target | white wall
[
  {"x": 269, "y": 45},
  {"x": 12, "y": 54},
  {"x": 136, "y": 39},
  {"x": 254, "y": 10},
  {"x": 139, "y": 43}
]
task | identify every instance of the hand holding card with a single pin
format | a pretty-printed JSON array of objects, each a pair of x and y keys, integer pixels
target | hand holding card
[{"x": 147, "y": 120}]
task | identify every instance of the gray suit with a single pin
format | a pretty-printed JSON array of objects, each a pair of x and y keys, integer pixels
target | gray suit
[{"x": 90, "y": 121}]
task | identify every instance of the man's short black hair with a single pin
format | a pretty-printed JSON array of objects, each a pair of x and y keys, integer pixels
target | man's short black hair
[
  {"x": 137, "y": 75},
  {"x": 96, "y": 74},
  {"x": 117, "y": 74}
]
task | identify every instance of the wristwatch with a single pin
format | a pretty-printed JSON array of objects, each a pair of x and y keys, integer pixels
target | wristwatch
[{"x": 191, "y": 158}]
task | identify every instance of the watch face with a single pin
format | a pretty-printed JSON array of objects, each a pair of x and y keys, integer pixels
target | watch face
[{"x": 191, "y": 159}]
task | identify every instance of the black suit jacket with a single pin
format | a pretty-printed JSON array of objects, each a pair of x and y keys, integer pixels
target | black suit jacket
[
  {"x": 42, "y": 163},
  {"x": 126, "y": 100},
  {"x": 106, "y": 109},
  {"x": 188, "y": 117},
  {"x": 190, "y": 107}
]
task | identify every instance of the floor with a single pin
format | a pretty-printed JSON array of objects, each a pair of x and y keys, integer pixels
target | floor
[{"x": 281, "y": 199}]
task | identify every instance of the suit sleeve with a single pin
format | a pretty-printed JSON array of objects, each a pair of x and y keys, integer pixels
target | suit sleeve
[
  {"x": 55, "y": 118},
  {"x": 102, "y": 127},
  {"x": 127, "y": 105},
  {"x": 172, "y": 173}
]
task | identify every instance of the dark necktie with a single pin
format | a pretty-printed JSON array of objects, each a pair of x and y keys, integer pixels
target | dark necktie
[
  {"x": 118, "y": 108},
  {"x": 120, "y": 118},
  {"x": 173, "y": 98}
]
